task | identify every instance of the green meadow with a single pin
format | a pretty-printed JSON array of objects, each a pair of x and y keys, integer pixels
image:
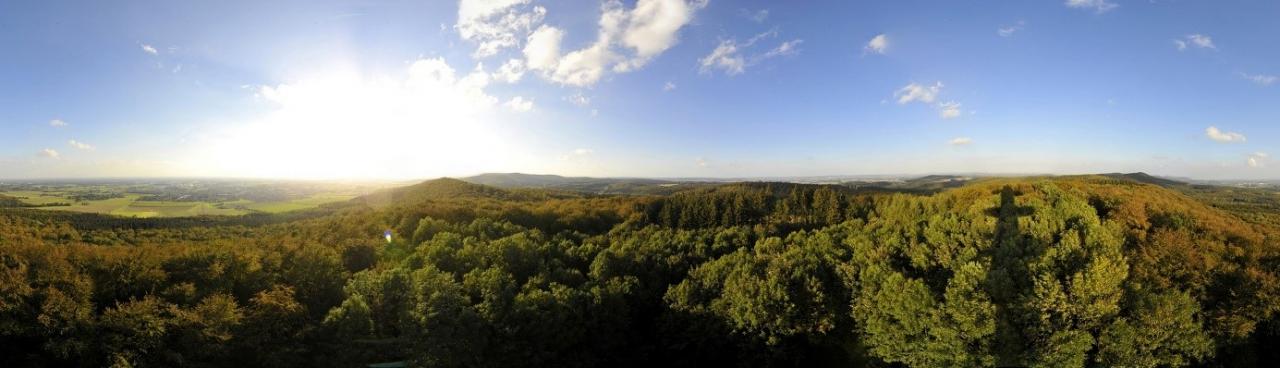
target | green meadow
[{"x": 130, "y": 205}]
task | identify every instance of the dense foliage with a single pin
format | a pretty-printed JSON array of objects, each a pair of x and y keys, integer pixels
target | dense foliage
[{"x": 1046, "y": 272}]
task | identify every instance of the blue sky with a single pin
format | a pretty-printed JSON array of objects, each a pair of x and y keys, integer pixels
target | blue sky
[{"x": 662, "y": 88}]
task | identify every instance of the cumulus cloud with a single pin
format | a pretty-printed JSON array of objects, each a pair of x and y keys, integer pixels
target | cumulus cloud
[
  {"x": 669, "y": 86},
  {"x": 80, "y": 145},
  {"x": 928, "y": 95},
  {"x": 1222, "y": 136},
  {"x": 1257, "y": 159},
  {"x": 960, "y": 141},
  {"x": 511, "y": 71},
  {"x": 495, "y": 25},
  {"x": 627, "y": 40},
  {"x": 48, "y": 153},
  {"x": 1194, "y": 40},
  {"x": 1261, "y": 79},
  {"x": 949, "y": 110},
  {"x": 57, "y": 123},
  {"x": 1100, "y": 6},
  {"x": 877, "y": 45},
  {"x": 150, "y": 50},
  {"x": 519, "y": 104},
  {"x": 1010, "y": 30},
  {"x": 915, "y": 92}
]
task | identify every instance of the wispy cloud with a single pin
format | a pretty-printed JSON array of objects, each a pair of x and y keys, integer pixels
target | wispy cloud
[
  {"x": 578, "y": 99},
  {"x": 1006, "y": 31},
  {"x": 724, "y": 57},
  {"x": 960, "y": 141},
  {"x": 1194, "y": 40},
  {"x": 150, "y": 50},
  {"x": 80, "y": 145},
  {"x": 758, "y": 16},
  {"x": 1100, "y": 6},
  {"x": 519, "y": 104},
  {"x": 669, "y": 86},
  {"x": 1258, "y": 159},
  {"x": 785, "y": 49},
  {"x": 48, "y": 153},
  {"x": 577, "y": 154},
  {"x": 1223, "y": 136},
  {"x": 1261, "y": 79},
  {"x": 878, "y": 45},
  {"x": 57, "y": 123},
  {"x": 949, "y": 110}
]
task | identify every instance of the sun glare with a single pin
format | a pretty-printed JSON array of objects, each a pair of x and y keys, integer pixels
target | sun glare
[{"x": 427, "y": 121}]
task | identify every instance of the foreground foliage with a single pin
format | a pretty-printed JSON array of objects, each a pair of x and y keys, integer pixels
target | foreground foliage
[{"x": 1085, "y": 271}]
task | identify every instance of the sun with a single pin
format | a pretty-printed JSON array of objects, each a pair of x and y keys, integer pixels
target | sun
[{"x": 426, "y": 121}]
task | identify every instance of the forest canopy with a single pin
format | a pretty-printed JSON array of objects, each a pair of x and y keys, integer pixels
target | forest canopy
[{"x": 1045, "y": 272}]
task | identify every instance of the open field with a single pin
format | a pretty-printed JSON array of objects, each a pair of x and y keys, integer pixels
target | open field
[{"x": 180, "y": 199}]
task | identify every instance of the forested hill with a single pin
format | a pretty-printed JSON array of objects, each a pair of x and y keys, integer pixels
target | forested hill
[{"x": 1048, "y": 272}]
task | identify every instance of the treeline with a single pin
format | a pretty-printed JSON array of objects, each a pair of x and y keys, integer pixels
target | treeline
[{"x": 1048, "y": 273}]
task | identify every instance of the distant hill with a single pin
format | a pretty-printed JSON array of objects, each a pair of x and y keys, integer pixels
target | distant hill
[
  {"x": 449, "y": 188},
  {"x": 1142, "y": 177},
  {"x": 582, "y": 184}
]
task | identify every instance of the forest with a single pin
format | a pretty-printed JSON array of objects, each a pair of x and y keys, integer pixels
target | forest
[{"x": 1078, "y": 271}]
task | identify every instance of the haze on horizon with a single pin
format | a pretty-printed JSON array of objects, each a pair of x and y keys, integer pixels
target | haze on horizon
[{"x": 645, "y": 88}]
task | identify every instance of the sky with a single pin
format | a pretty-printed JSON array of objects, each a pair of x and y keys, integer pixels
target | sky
[{"x": 322, "y": 89}]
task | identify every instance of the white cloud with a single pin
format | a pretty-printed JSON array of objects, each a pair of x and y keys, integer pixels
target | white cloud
[
  {"x": 1223, "y": 137},
  {"x": 949, "y": 110},
  {"x": 1258, "y": 159},
  {"x": 960, "y": 141},
  {"x": 669, "y": 86},
  {"x": 1201, "y": 41},
  {"x": 543, "y": 48},
  {"x": 758, "y": 16},
  {"x": 48, "y": 153},
  {"x": 1101, "y": 6},
  {"x": 80, "y": 145},
  {"x": 496, "y": 24},
  {"x": 915, "y": 92},
  {"x": 511, "y": 71},
  {"x": 652, "y": 27},
  {"x": 579, "y": 100},
  {"x": 785, "y": 49},
  {"x": 1261, "y": 79},
  {"x": 1196, "y": 40},
  {"x": 150, "y": 50},
  {"x": 57, "y": 123},
  {"x": 702, "y": 162},
  {"x": 725, "y": 57},
  {"x": 626, "y": 41},
  {"x": 877, "y": 45},
  {"x": 1010, "y": 30},
  {"x": 519, "y": 104}
]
